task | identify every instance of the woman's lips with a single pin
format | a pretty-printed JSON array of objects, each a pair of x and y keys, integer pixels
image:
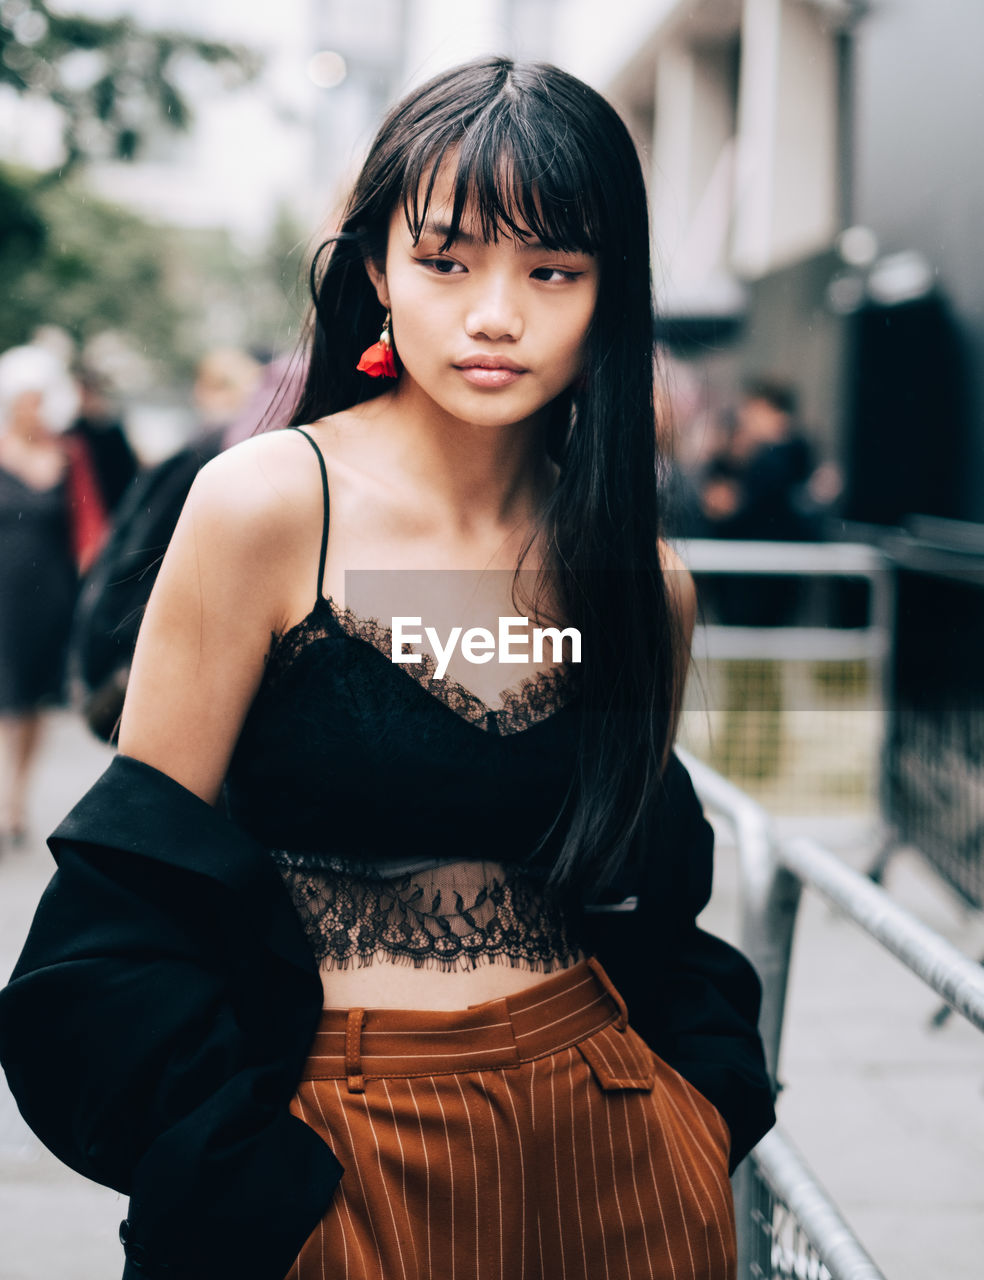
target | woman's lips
[{"x": 482, "y": 376}]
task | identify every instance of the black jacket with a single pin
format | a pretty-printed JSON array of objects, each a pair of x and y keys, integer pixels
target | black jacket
[{"x": 155, "y": 1026}]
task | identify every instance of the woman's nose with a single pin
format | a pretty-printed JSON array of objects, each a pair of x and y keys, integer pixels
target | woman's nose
[{"x": 494, "y": 313}]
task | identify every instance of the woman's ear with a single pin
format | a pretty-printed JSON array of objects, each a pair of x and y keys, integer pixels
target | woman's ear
[{"x": 377, "y": 278}]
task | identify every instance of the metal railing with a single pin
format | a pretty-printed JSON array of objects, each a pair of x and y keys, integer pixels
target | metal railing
[
  {"x": 804, "y": 559},
  {"x": 792, "y": 1228},
  {"x": 788, "y": 1226},
  {"x": 770, "y": 700}
]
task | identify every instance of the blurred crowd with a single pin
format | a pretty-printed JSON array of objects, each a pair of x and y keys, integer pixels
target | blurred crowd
[{"x": 84, "y": 526}]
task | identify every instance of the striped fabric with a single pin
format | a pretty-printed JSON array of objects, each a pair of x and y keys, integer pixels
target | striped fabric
[{"x": 535, "y": 1137}]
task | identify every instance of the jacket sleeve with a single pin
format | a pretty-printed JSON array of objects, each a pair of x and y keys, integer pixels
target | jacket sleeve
[
  {"x": 692, "y": 997},
  {"x": 133, "y": 1051}
]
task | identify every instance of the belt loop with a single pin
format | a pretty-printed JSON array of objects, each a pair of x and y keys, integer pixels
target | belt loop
[
  {"x": 623, "y": 1014},
  {"x": 353, "y": 1050}
]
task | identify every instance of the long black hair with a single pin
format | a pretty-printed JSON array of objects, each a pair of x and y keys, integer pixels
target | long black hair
[{"x": 538, "y": 153}]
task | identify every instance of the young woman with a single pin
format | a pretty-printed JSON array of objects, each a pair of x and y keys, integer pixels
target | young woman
[{"x": 372, "y": 1026}]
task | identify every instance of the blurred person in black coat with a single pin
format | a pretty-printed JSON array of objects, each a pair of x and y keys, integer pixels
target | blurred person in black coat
[
  {"x": 755, "y": 488},
  {"x": 751, "y": 485}
]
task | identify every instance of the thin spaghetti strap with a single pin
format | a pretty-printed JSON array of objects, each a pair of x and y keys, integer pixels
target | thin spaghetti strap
[{"x": 324, "y": 527}]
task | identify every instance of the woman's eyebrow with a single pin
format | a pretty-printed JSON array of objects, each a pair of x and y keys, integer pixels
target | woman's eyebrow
[{"x": 443, "y": 231}]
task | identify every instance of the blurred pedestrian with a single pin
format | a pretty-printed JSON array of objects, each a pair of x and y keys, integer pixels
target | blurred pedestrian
[
  {"x": 38, "y": 578},
  {"x": 225, "y": 379},
  {"x": 756, "y": 488},
  {"x": 752, "y": 487},
  {"x": 272, "y": 400}
]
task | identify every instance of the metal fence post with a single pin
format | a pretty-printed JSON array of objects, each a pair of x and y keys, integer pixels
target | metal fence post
[{"x": 770, "y": 896}]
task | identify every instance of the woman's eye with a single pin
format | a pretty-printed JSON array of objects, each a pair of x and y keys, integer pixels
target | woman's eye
[
  {"x": 551, "y": 275},
  {"x": 443, "y": 266}
]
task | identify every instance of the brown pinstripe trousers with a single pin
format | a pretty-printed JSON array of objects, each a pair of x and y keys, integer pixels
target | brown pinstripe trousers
[{"x": 535, "y": 1137}]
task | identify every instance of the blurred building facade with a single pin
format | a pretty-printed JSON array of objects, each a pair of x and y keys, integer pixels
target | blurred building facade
[{"x": 773, "y": 127}]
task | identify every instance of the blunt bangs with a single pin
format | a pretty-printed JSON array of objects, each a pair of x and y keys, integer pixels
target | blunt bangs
[{"x": 518, "y": 170}]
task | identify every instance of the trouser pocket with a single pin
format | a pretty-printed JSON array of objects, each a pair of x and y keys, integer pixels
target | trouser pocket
[
  {"x": 619, "y": 1059},
  {"x": 659, "y": 1161}
]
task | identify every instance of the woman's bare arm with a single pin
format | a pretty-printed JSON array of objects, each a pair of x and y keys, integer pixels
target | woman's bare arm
[{"x": 223, "y": 589}]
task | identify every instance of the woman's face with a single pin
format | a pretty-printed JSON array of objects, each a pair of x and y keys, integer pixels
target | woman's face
[
  {"x": 491, "y": 333},
  {"x": 24, "y": 416}
]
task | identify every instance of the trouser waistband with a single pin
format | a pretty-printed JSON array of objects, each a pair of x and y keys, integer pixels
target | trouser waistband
[{"x": 364, "y": 1044}]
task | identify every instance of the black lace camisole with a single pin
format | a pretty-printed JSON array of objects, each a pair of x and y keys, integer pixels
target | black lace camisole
[{"x": 400, "y": 809}]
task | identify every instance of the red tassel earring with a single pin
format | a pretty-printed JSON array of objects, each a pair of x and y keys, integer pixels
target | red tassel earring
[{"x": 377, "y": 361}]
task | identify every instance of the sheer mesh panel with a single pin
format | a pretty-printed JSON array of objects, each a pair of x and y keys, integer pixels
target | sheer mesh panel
[{"x": 452, "y": 915}]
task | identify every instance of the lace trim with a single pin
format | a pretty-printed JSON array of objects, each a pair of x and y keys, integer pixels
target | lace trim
[
  {"x": 536, "y": 697},
  {"x": 351, "y": 915}
]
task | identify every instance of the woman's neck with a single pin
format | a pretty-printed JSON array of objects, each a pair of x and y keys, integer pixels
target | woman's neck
[{"x": 475, "y": 476}]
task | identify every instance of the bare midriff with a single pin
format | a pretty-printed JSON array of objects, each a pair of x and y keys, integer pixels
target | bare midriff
[{"x": 386, "y": 984}]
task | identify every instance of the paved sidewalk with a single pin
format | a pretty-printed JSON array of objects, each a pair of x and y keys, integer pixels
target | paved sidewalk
[{"x": 889, "y": 1113}]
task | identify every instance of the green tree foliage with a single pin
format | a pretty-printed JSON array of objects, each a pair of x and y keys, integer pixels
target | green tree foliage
[
  {"x": 92, "y": 267},
  {"x": 114, "y": 83},
  {"x": 72, "y": 260},
  {"x": 22, "y": 229}
]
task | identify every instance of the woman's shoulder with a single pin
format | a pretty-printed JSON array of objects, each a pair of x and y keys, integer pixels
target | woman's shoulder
[
  {"x": 260, "y": 492},
  {"x": 252, "y": 473}
]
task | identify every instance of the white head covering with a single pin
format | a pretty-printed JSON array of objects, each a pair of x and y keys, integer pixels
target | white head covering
[{"x": 32, "y": 368}]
